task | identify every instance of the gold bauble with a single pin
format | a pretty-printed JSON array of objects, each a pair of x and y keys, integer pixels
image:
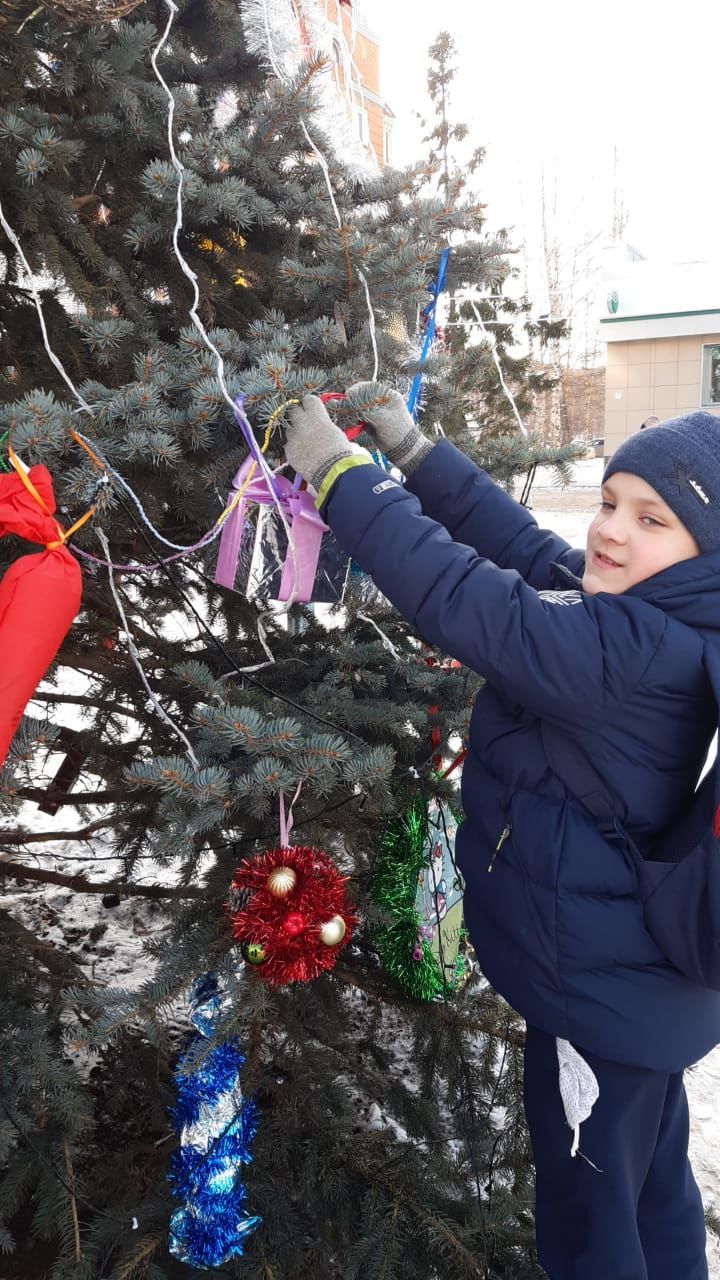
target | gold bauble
[
  {"x": 253, "y": 952},
  {"x": 281, "y": 881},
  {"x": 333, "y": 931}
]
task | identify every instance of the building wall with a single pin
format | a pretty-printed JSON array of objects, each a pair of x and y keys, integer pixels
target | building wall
[
  {"x": 366, "y": 57},
  {"x": 660, "y": 376}
]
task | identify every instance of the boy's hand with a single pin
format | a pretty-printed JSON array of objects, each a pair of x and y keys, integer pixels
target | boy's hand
[
  {"x": 385, "y": 413},
  {"x": 313, "y": 444}
]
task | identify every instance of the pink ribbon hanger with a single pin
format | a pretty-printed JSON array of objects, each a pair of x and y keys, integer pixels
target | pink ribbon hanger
[
  {"x": 286, "y": 824},
  {"x": 305, "y": 524}
]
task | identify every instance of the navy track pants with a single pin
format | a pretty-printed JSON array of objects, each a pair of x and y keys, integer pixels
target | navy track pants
[{"x": 641, "y": 1218}]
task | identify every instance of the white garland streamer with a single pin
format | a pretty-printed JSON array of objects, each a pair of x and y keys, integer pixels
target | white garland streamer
[
  {"x": 320, "y": 32},
  {"x": 271, "y": 38},
  {"x": 492, "y": 343},
  {"x": 187, "y": 271},
  {"x": 85, "y": 407},
  {"x": 57, "y": 362},
  {"x": 135, "y": 656},
  {"x": 385, "y": 638},
  {"x": 12, "y": 237}
]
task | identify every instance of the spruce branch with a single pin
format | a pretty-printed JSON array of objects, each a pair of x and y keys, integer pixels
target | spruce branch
[
  {"x": 73, "y": 1202},
  {"x": 56, "y": 963},
  {"x": 111, "y": 795},
  {"x": 83, "y": 700},
  {"x": 42, "y": 837},
  {"x": 83, "y": 202},
  {"x": 383, "y": 991},
  {"x": 429, "y": 1221},
  {"x": 15, "y": 870},
  {"x": 141, "y": 1255}
]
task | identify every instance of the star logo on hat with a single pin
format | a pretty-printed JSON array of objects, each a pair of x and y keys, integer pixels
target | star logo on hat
[{"x": 684, "y": 480}]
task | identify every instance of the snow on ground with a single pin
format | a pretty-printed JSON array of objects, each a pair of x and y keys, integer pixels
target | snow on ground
[{"x": 587, "y": 474}]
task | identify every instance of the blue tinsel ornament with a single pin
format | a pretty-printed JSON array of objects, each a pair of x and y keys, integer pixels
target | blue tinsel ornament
[{"x": 216, "y": 1127}]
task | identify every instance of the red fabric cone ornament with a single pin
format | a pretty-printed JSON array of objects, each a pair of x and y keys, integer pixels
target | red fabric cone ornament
[
  {"x": 39, "y": 595},
  {"x": 293, "y": 924}
]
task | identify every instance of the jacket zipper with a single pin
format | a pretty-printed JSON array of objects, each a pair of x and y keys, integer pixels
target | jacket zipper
[{"x": 503, "y": 837}]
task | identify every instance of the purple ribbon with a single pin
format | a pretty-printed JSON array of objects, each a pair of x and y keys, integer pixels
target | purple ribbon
[
  {"x": 306, "y": 528},
  {"x": 242, "y": 420}
]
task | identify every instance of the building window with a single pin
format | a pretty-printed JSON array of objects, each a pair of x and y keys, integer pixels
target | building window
[
  {"x": 711, "y": 375},
  {"x": 387, "y": 145},
  {"x": 362, "y": 124},
  {"x": 339, "y": 62}
]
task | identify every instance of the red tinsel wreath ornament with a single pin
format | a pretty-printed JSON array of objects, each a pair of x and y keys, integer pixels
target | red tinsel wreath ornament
[{"x": 289, "y": 913}]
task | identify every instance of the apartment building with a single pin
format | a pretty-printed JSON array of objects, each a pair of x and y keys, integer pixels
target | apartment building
[
  {"x": 357, "y": 71},
  {"x": 662, "y": 329}
]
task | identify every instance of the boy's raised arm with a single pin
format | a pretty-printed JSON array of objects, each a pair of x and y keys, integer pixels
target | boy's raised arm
[
  {"x": 477, "y": 512},
  {"x": 461, "y": 496},
  {"x": 559, "y": 662},
  {"x": 562, "y": 663}
]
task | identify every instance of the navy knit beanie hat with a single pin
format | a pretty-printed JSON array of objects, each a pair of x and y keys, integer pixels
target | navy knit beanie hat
[{"x": 680, "y": 458}]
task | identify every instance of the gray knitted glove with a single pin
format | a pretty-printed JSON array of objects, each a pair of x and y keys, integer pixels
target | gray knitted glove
[
  {"x": 313, "y": 444},
  {"x": 385, "y": 413}
]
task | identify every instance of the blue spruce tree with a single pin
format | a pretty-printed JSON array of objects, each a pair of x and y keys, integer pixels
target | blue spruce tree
[{"x": 239, "y": 701}]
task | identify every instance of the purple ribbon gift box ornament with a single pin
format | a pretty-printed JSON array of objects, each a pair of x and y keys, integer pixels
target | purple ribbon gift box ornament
[{"x": 304, "y": 522}]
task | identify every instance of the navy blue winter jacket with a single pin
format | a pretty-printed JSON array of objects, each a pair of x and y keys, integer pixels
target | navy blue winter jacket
[{"x": 557, "y": 923}]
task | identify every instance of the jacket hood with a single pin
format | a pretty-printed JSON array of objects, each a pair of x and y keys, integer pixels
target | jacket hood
[{"x": 688, "y": 591}]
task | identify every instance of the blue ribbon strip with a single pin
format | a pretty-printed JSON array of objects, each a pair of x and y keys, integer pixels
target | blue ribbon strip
[{"x": 429, "y": 313}]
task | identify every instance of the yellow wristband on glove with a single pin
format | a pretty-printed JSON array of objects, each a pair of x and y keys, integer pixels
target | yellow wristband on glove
[{"x": 342, "y": 464}]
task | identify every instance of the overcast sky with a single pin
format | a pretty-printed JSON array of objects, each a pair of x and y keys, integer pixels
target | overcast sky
[{"x": 561, "y": 85}]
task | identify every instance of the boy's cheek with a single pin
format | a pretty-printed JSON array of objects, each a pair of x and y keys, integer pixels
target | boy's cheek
[{"x": 591, "y": 533}]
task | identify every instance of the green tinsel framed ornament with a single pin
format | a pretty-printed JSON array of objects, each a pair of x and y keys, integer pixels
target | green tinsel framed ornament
[{"x": 419, "y": 887}]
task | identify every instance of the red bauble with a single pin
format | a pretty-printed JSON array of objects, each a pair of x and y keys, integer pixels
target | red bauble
[
  {"x": 294, "y": 924},
  {"x": 288, "y": 928}
]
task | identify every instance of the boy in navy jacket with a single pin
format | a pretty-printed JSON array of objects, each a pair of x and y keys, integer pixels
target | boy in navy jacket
[{"x": 599, "y": 658}]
